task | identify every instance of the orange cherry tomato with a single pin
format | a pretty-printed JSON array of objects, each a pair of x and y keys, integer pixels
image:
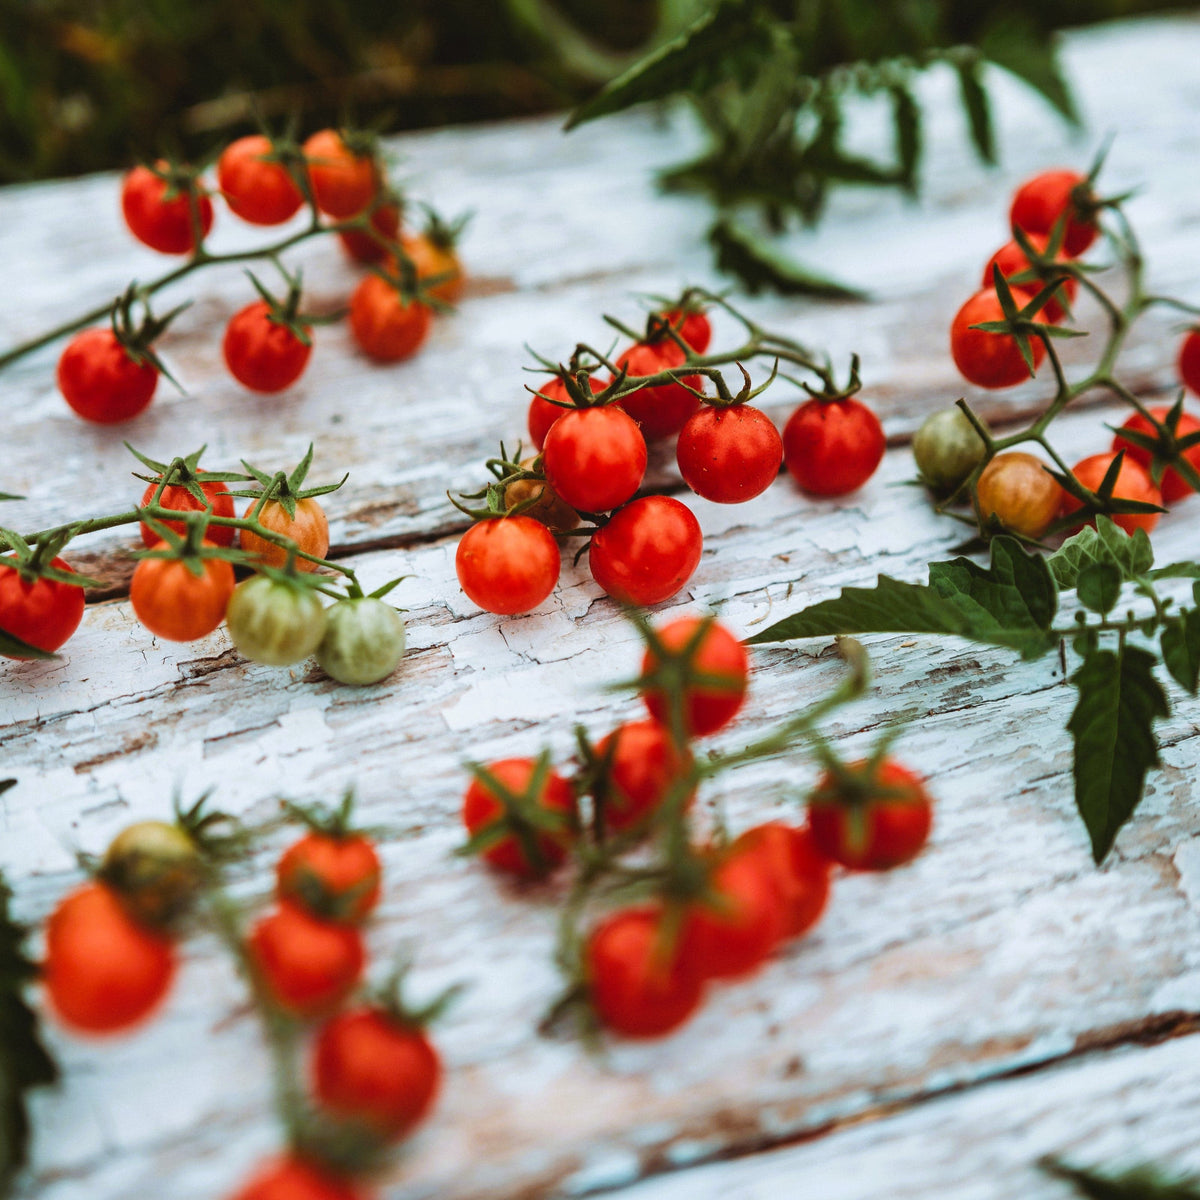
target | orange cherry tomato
[
  {"x": 175, "y": 604},
  {"x": 1017, "y": 488},
  {"x": 432, "y": 259},
  {"x": 309, "y": 530}
]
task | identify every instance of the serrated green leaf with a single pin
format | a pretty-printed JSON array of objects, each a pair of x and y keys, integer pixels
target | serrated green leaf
[
  {"x": 1107, "y": 543},
  {"x": 1180, "y": 645},
  {"x": 1115, "y": 744},
  {"x": 1099, "y": 586},
  {"x": 979, "y": 113},
  {"x": 759, "y": 267}
]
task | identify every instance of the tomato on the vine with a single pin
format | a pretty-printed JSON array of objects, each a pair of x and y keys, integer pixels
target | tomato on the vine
[
  {"x": 362, "y": 247},
  {"x": 309, "y": 529},
  {"x": 595, "y": 458},
  {"x": 363, "y": 642},
  {"x": 692, "y": 324},
  {"x": 832, "y": 447},
  {"x": 544, "y": 413},
  {"x": 175, "y": 604},
  {"x": 508, "y": 565},
  {"x": 384, "y": 326},
  {"x": 541, "y": 501},
  {"x": 797, "y": 869},
  {"x": 1173, "y": 486},
  {"x": 662, "y": 410},
  {"x": 874, "y": 818},
  {"x": 637, "y": 982},
  {"x": 156, "y": 868},
  {"x": 176, "y": 496},
  {"x": 1133, "y": 483},
  {"x": 258, "y": 188},
  {"x": 41, "y": 612},
  {"x": 334, "y": 877},
  {"x": 163, "y": 224},
  {"x": 708, "y": 704},
  {"x": 262, "y": 353},
  {"x": 947, "y": 448},
  {"x": 729, "y": 454},
  {"x": 1012, "y": 260},
  {"x": 102, "y": 970},
  {"x": 378, "y": 1071},
  {"x": 643, "y": 764},
  {"x": 647, "y": 551},
  {"x": 101, "y": 379},
  {"x": 433, "y": 259},
  {"x": 1016, "y": 488},
  {"x": 990, "y": 360},
  {"x": 1039, "y": 202},
  {"x": 273, "y": 622},
  {"x": 296, "y": 1178},
  {"x": 1189, "y": 361},
  {"x": 343, "y": 182}
]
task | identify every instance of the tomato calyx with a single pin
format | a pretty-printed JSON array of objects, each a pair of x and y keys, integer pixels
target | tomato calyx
[
  {"x": 520, "y": 488},
  {"x": 184, "y": 179},
  {"x": 137, "y": 337},
  {"x": 286, "y": 312},
  {"x": 284, "y": 488},
  {"x": 391, "y": 998},
  {"x": 1167, "y": 449},
  {"x": 1019, "y": 319},
  {"x": 1102, "y": 501},
  {"x": 444, "y": 234}
]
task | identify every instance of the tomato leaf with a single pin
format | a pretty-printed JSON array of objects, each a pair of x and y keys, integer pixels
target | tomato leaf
[
  {"x": 1180, "y": 645},
  {"x": 975, "y": 101},
  {"x": 758, "y": 266},
  {"x": 11, "y": 646},
  {"x": 1022, "y": 50},
  {"x": 906, "y": 117},
  {"x": 1106, "y": 544},
  {"x": 1143, "y": 1183},
  {"x": 1099, "y": 586},
  {"x": 1115, "y": 745}
]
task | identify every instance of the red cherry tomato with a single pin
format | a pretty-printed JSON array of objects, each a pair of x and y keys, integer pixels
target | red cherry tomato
[
  {"x": 798, "y": 870},
  {"x": 595, "y": 458},
  {"x": 177, "y": 497},
  {"x": 885, "y": 823},
  {"x": 1133, "y": 483},
  {"x": 100, "y": 380},
  {"x": 659, "y": 411},
  {"x": 1189, "y": 362},
  {"x": 693, "y": 326},
  {"x": 258, "y": 190},
  {"x": 43, "y": 612},
  {"x": 343, "y": 183},
  {"x": 1039, "y": 202},
  {"x": 543, "y": 414},
  {"x": 376, "y": 1071},
  {"x": 103, "y": 972},
  {"x": 832, "y": 447},
  {"x": 638, "y": 985},
  {"x": 386, "y": 328},
  {"x": 728, "y": 455},
  {"x": 508, "y": 565},
  {"x": 295, "y": 1178},
  {"x": 1173, "y": 485},
  {"x": 362, "y": 247},
  {"x": 1012, "y": 260},
  {"x": 163, "y": 225},
  {"x": 334, "y": 878},
  {"x": 175, "y": 604},
  {"x": 262, "y": 353},
  {"x": 990, "y": 360},
  {"x": 708, "y": 706},
  {"x": 644, "y": 765},
  {"x": 648, "y": 550}
]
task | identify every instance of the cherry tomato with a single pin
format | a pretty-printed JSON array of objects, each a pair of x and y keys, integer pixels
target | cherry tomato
[
  {"x": 258, "y": 190},
  {"x": 947, "y": 449},
  {"x": 1039, "y": 202},
  {"x": 333, "y": 878},
  {"x": 296, "y": 1178},
  {"x": 644, "y": 765},
  {"x": 990, "y": 360},
  {"x": 708, "y": 706},
  {"x": 595, "y": 458},
  {"x": 274, "y": 623},
  {"x": 307, "y": 966},
  {"x": 1017, "y": 488},
  {"x": 482, "y": 809},
  {"x": 1012, "y": 260},
  {"x": 163, "y": 225},
  {"x": 385, "y": 328},
  {"x": 693, "y": 326},
  {"x": 174, "y": 604},
  {"x": 508, "y": 565},
  {"x": 832, "y": 447},
  {"x": 546, "y": 505},
  {"x": 43, "y": 612},
  {"x": 1189, "y": 362},
  {"x": 732, "y": 931},
  {"x": 261, "y": 353},
  {"x": 431, "y": 260},
  {"x": 543, "y": 414},
  {"x": 103, "y": 972},
  {"x": 100, "y": 380},
  {"x": 1173, "y": 485},
  {"x": 660, "y": 411},
  {"x": 884, "y": 821},
  {"x": 343, "y": 183},
  {"x": 156, "y": 869},
  {"x": 728, "y": 455},
  {"x": 1133, "y": 483},
  {"x": 362, "y": 247},
  {"x": 800, "y": 873},
  {"x": 638, "y": 984},
  {"x": 370, "y": 1068},
  {"x": 363, "y": 642},
  {"x": 177, "y": 497},
  {"x": 309, "y": 529},
  {"x": 648, "y": 550}
]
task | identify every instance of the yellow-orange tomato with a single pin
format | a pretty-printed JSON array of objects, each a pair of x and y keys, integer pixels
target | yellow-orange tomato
[
  {"x": 175, "y": 604},
  {"x": 1017, "y": 488},
  {"x": 1133, "y": 483},
  {"x": 432, "y": 259},
  {"x": 384, "y": 326},
  {"x": 310, "y": 532}
]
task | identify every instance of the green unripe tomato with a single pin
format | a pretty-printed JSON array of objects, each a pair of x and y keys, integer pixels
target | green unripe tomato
[
  {"x": 155, "y": 868},
  {"x": 364, "y": 641},
  {"x": 275, "y": 623},
  {"x": 947, "y": 449}
]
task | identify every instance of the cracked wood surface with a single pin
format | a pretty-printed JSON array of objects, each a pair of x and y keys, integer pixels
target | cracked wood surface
[{"x": 1000, "y": 955}]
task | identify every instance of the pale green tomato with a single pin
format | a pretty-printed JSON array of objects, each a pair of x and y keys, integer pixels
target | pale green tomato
[
  {"x": 275, "y": 623},
  {"x": 947, "y": 449},
  {"x": 364, "y": 641}
]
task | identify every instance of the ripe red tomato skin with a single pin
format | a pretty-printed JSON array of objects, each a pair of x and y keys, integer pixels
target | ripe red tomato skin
[
  {"x": 103, "y": 972},
  {"x": 1189, "y": 362},
  {"x": 260, "y": 192},
  {"x": 832, "y": 447},
  {"x": 635, "y": 992},
  {"x": 648, "y": 550},
  {"x": 694, "y": 327},
  {"x": 706, "y": 710},
  {"x": 990, "y": 360},
  {"x": 543, "y": 414},
  {"x": 361, "y": 246},
  {"x": 293, "y": 1178},
  {"x": 895, "y": 827},
  {"x": 174, "y": 604},
  {"x": 508, "y": 565},
  {"x": 728, "y": 455},
  {"x": 1133, "y": 483},
  {"x": 1040, "y": 201},
  {"x": 798, "y": 870},
  {"x": 43, "y": 613},
  {"x": 371, "y": 1069},
  {"x": 481, "y": 808},
  {"x": 343, "y": 183},
  {"x": 386, "y": 329},
  {"x": 595, "y": 458},
  {"x": 179, "y": 498},
  {"x": 645, "y": 763},
  {"x": 262, "y": 354},
  {"x": 659, "y": 411},
  {"x": 163, "y": 225},
  {"x": 1012, "y": 260},
  {"x": 1173, "y": 485},
  {"x": 345, "y": 871},
  {"x": 100, "y": 381}
]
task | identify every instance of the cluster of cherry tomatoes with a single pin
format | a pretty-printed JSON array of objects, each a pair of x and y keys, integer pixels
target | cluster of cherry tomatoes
[
  {"x": 718, "y": 909},
  {"x": 591, "y": 435},
  {"x": 110, "y": 374}
]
